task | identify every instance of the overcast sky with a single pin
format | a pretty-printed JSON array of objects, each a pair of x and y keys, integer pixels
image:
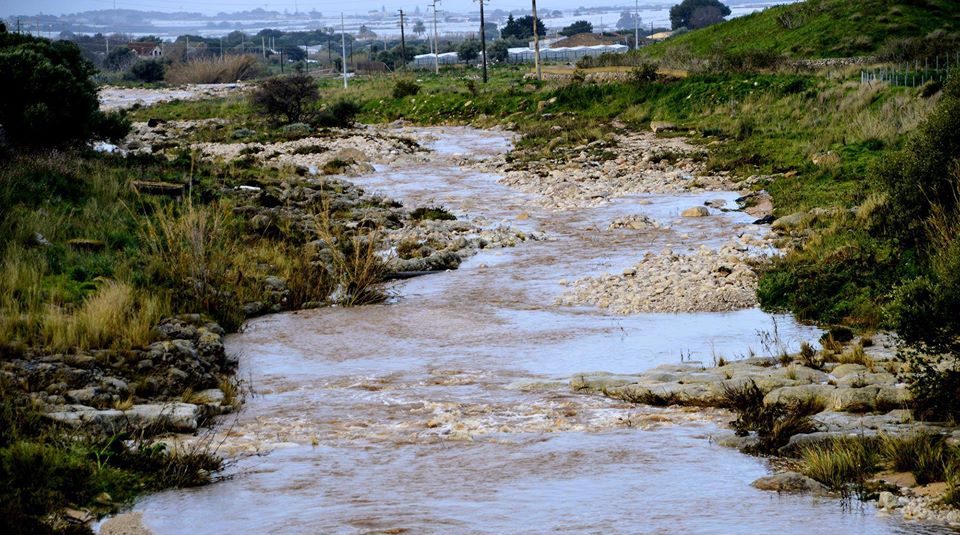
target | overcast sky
[{"x": 331, "y": 7}]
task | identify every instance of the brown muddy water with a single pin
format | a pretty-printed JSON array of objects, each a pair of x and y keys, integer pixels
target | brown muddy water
[{"x": 447, "y": 410}]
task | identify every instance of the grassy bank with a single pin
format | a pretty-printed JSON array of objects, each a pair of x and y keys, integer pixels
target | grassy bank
[{"x": 823, "y": 29}]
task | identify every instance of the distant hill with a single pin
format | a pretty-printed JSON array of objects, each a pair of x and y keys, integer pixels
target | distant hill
[{"x": 830, "y": 28}]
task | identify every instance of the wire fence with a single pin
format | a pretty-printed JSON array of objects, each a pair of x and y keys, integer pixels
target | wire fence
[{"x": 913, "y": 74}]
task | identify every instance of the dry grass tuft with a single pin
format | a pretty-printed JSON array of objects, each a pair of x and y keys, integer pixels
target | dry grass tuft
[{"x": 214, "y": 70}]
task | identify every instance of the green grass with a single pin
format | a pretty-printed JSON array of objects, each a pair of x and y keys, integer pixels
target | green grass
[{"x": 819, "y": 29}]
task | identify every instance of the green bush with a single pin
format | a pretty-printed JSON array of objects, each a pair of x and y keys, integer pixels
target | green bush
[
  {"x": 339, "y": 114},
  {"x": 148, "y": 71},
  {"x": 405, "y": 88},
  {"x": 47, "y": 97}
]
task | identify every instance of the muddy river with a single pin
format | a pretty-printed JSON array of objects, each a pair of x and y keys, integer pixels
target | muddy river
[{"x": 447, "y": 409}]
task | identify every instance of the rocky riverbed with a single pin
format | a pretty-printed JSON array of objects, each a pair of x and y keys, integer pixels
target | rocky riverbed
[
  {"x": 115, "y": 98},
  {"x": 606, "y": 169}
]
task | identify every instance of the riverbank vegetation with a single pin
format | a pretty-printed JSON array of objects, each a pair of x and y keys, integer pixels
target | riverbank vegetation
[{"x": 98, "y": 251}]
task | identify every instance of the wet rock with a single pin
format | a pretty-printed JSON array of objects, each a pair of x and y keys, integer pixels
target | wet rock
[
  {"x": 177, "y": 417},
  {"x": 695, "y": 211},
  {"x": 791, "y": 482},
  {"x": 888, "y": 501},
  {"x": 634, "y": 222}
]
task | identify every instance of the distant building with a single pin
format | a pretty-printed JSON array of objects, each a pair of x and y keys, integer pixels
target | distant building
[{"x": 146, "y": 49}]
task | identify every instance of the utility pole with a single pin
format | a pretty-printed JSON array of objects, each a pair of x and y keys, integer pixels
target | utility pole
[
  {"x": 403, "y": 44},
  {"x": 263, "y": 46},
  {"x": 483, "y": 41},
  {"x": 436, "y": 41},
  {"x": 107, "y": 43},
  {"x": 536, "y": 42},
  {"x": 343, "y": 42},
  {"x": 636, "y": 24}
]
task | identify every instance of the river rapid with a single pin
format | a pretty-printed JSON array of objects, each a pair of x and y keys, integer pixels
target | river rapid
[{"x": 448, "y": 410}]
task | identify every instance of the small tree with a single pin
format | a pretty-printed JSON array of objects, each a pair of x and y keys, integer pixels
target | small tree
[
  {"x": 498, "y": 50},
  {"x": 581, "y": 26},
  {"x": 469, "y": 50},
  {"x": 119, "y": 59},
  {"x": 419, "y": 28},
  {"x": 287, "y": 99},
  {"x": 522, "y": 28},
  {"x": 682, "y": 13}
]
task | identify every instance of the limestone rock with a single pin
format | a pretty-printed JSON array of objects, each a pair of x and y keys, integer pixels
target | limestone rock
[
  {"x": 792, "y": 482},
  {"x": 799, "y": 394},
  {"x": 662, "y": 126}
]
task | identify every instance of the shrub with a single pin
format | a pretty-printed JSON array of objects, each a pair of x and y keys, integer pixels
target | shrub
[
  {"x": 356, "y": 264},
  {"x": 923, "y": 175},
  {"x": 644, "y": 73},
  {"x": 436, "y": 213},
  {"x": 773, "y": 424},
  {"x": 405, "y": 88},
  {"x": 935, "y": 391},
  {"x": 46, "y": 94},
  {"x": 923, "y": 455},
  {"x": 340, "y": 114},
  {"x": 148, "y": 71},
  {"x": 288, "y": 99}
]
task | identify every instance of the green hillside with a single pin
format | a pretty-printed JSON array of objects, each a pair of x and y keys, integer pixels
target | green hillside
[{"x": 830, "y": 28}]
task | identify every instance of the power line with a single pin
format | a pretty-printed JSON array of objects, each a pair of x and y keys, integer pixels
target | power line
[
  {"x": 403, "y": 44},
  {"x": 436, "y": 40},
  {"x": 483, "y": 40}
]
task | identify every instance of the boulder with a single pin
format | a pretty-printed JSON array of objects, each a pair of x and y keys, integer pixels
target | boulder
[
  {"x": 855, "y": 399},
  {"x": 695, "y": 211},
  {"x": 177, "y": 417},
  {"x": 662, "y": 126},
  {"x": 847, "y": 369},
  {"x": 792, "y": 482},
  {"x": 791, "y": 222},
  {"x": 888, "y": 500}
]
